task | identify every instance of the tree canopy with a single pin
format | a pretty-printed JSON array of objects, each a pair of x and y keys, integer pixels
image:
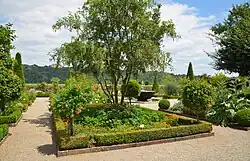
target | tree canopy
[
  {"x": 232, "y": 37},
  {"x": 118, "y": 39}
]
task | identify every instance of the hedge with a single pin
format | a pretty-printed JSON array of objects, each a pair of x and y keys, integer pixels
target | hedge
[
  {"x": 4, "y": 128},
  {"x": 66, "y": 142},
  {"x": 12, "y": 118},
  {"x": 43, "y": 94}
]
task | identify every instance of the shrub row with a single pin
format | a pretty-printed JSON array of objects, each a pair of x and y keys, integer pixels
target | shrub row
[
  {"x": 43, "y": 94},
  {"x": 47, "y": 87},
  {"x": 4, "y": 128},
  {"x": 12, "y": 118},
  {"x": 66, "y": 142}
]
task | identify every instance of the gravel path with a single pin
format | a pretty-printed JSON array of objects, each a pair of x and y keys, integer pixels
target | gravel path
[{"x": 31, "y": 141}]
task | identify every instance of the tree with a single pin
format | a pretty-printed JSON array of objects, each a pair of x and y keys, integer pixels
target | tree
[
  {"x": 10, "y": 87},
  {"x": 118, "y": 39},
  {"x": 55, "y": 82},
  {"x": 10, "y": 84},
  {"x": 133, "y": 89},
  {"x": 190, "y": 73},
  {"x": 155, "y": 85},
  {"x": 232, "y": 38},
  {"x": 18, "y": 67},
  {"x": 198, "y": 96}
]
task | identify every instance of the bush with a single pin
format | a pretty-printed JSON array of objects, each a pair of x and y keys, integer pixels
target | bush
[
  {"x": 3, "y": 131},
  {"x": 12, "y": 118},
  {"x": 42, "y": 86},
  {"x": 43, "y": 94},
  {"x": 242, "y": 117},
  {"x": 156, "y": 87},
  {"x": 198, "y": 96},
  {"x": 172, "y": 89},
  {"x": 164, "y": 104},
  {"x": 133, "y": 89},
  {"x": 10, "y": 87}
]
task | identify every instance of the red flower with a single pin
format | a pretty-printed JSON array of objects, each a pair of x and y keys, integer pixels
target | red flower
[{"x": 78, "y": 86}]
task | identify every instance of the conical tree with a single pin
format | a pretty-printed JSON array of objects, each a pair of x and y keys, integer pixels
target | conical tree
[
  {"x": 190, "y": 73},
  {"x": 18, "y": 67},
  {"x": 155, "y": 85}
]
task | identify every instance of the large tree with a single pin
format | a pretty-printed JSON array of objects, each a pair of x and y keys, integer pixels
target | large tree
[
  {"x": 118, "y": 39},
  {"x": 232, "y": 40},
  {"x": 10, "y": 84}
]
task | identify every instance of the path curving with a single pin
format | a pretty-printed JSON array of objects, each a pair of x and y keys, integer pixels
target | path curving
[{"x": 31, "y": 140}]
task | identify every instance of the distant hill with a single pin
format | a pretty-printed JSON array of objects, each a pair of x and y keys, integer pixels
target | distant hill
[{"x": 38, "y": 74}]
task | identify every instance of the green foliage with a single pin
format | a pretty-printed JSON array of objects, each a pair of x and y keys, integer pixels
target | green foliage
[
  {"x": 4, "y": 129},
  {"x": 218, "y": 80},
  {"x": 190, "y": 73},
  {"x": 178, "y": 107},
  {"x": 132, "y": 89},
  {"x": 42, "y": 86},
  {"x": 18, "y": 67},
  {"x": 43, "y": 94},
  {"x": 26, "y": 99},
  {"x": 106, "y": 51},
  {"x": 233, "y": 55},
  {"x": 242, "y": 117},
  {"x": 55, "y": 82},
  {"x": 198, "y": 95},
  {"x": 172, "y": 89},
  {"x": 12, "y": 118},
  {"x": 10, "y": 87},
  {"x": 164, "y": 104},
  {"x": 116, "y": 115},
  {"x": 155, "y": 85},
  {"x": 7, "y": 35}
]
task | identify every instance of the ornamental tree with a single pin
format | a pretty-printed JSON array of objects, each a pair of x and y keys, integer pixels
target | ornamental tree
[
  {"x": 133, "y": 89},
  {"x": 18, "y": 67},
  {"x": 198, "y": 96},
  {"x": 190, "y": 73},
  {"x": 117, "y": 39},
  {"x": 231, "y": 37}
]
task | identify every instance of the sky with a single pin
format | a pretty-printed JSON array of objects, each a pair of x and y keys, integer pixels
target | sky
[{"x": 33, "y": 22}]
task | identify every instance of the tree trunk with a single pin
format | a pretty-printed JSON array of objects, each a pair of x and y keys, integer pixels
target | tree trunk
[{"x": 71, "y": 130}]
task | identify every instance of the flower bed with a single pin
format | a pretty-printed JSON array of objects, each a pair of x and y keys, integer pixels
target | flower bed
[{"x": 89, "y": 135}]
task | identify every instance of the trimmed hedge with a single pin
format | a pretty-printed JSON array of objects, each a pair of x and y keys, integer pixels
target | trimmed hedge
[
  {"x": 4, "y": 129},
  {"x": 66, "y": 142},
  {"x": 12, "y": 118},
  {"x": 164, "y": 104},
  {"x": 242, "y": 117},
  {"x": 43, "y": 94}
]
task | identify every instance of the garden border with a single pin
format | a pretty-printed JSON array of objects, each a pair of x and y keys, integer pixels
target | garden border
[
  {"x": 240, "y": 127},
  {"x": 4, "y": 139},
  {"x": 131, "y": 145},
  {"x": 16, "y": 123}
]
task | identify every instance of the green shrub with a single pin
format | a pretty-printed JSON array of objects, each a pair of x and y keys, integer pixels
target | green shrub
[
  {"x": 198, "y": 96},
  {"x": 42, "y": 86},
  {"x": 4, "y": 128},
  {"x": 156, "y": 85},
  {"x": 172, "y": 89},
  {"x": 12, "y": 118},
  {"x": 43, "y": 94},
  {"x": 242, "y": 117},
  {"x": 132, "y": 90},
  {"x": 164, "y": 104},
  {"x": 10, "y": 87}
]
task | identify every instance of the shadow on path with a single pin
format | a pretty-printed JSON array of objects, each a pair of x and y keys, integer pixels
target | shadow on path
[{"x": 41, "y": 121}]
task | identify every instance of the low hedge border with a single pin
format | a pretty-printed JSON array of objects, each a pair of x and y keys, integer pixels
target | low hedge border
[
  {"x": 43, "y": 94},
  {"x": 4, "y": 129},
  {"x": 236, "y": 126},
  {"x": 65, "y": 142},
  {"x": 12, "y": 118},
  {"x": 131, "y": 145}
]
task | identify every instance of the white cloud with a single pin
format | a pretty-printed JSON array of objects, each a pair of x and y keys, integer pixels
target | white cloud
[
  {"x": 193, "y": 42},
  {"x": 33, "y": 22}
]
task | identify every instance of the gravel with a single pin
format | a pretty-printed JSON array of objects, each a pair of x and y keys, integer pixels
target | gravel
[{"x": 31, "y": 140}]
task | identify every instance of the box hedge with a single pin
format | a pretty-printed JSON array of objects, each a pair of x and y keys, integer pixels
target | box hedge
[
  {"x": 4, "y": 128},
  {"x": 12, "y": 118},
  {"x": 66, "y": 142}
]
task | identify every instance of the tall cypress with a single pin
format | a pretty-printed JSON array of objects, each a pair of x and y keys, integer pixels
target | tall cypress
[
  {"x": 190, "y": 73},
  {"x": 155, "y": 85},
  {"x": 18, "y": 67}
]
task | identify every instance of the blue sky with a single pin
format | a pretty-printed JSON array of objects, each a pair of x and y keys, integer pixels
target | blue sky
[{"x": 193, "y": 19}]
